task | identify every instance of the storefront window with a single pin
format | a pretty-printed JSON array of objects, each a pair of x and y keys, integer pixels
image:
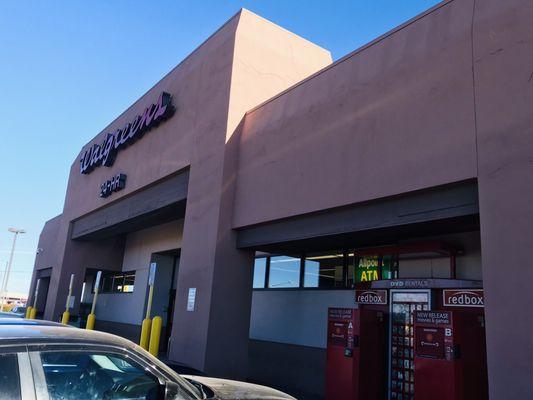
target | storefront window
[
  {"x": 367, "y": 268},
  {"x": 129, "y": 281},
  {"x": 107, "y": 284},
  {"x": 350, "y": 274},
  {"x": 324, "y": 270},
  {"x": 339, "y": 269},
  {"x": 113, "y": 282},
  {"x": 260, "y": 272},
  {"x": 284, "y": 272},
  {"x": 118, "y": 283},
  {"x": 389, "y": 265}
]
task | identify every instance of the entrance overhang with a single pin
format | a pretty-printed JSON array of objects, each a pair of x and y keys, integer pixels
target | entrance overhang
[
  {"x": 162, "y": 202},
  {"x": 440, "y": 210}
]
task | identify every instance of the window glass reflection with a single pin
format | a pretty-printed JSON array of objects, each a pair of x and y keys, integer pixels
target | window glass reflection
[
  {"x": 388, "y": 265},
  {"x": 334, "y": 269},
  {"x": 259, "y": 272},
  {"x": 9, "y": 377},
  {"x": 129, "y": 282},
  {"x": 284, "y": 272},
  {"x": 115, "y": 282},
  {"x": 324, "y": 270},
  {"x": 118, "y": 283},
  {"x": 88, "y": 375}
]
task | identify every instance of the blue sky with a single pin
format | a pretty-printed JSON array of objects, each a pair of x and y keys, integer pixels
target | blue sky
[{"x": 68, "y": 68}]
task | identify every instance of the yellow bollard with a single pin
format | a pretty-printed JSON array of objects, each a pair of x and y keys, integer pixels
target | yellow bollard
[
  {"x": 145, "y": 333},
  {"x": 147, "y": 322},
  {"x": 66, "y": 314},
  {"x": 33, "y": 311},
  {"x": 65, "y": 317},
  {"x": 155, "y": 336},
  {"x": 28, "y": 311},
  {"x": 92, "y": 317},
  {"x": 90, "y": 321}
]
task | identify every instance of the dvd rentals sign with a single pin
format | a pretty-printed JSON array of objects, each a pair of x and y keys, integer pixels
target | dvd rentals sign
[
  {"x": 463, "y": 298},
  {"x": 371, "y": 296}
]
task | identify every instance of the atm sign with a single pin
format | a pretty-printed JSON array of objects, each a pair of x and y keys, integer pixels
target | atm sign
[
  {"x": 371, "y": 296},
  {"x": 463, "y": 298}
]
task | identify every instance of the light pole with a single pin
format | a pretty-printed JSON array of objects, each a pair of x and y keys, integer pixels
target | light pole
[
  {"x": 3, "y": 282},
  {"x": 16, "y": 232}
]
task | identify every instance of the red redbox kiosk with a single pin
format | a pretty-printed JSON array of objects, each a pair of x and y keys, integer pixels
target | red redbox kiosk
[
  {"x": 450, "y": 357},
  {"x": 356, "y": 358}
]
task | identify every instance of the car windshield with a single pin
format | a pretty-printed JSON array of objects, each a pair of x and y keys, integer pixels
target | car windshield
[{"x": 106, "y": 374}]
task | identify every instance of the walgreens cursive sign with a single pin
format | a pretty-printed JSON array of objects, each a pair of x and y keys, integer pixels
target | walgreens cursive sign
[
  {"x": 463, "y": 298},
  {"x": 106, "y": 152}
]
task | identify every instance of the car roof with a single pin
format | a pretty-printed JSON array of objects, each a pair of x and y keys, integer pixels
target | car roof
[
  {"x": 23, "y": 321},
  {"x": 51, "y": 333}
]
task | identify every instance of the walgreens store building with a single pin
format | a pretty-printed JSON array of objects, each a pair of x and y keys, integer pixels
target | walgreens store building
[{"x": 338, "y": 230}]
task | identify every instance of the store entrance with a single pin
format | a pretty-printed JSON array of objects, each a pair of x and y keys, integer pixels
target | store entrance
[
  {"x": 401, "y": 333},
  {"x": 42, "y": 296},
  {"x": 40, "y": 291},
  {"x": 172, "y": 300},
  {"x": 165, "y": 285}
]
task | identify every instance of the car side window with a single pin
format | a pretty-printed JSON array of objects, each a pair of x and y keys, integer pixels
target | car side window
[
  {"x": 96, "y": 375},
  {"x": 9, "y": 377}
]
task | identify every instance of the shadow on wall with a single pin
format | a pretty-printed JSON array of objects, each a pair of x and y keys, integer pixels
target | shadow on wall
[{"x": 285, "y": 366}]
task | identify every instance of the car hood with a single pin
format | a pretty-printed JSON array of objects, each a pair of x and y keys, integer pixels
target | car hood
[{"x": 234, "y": 390}]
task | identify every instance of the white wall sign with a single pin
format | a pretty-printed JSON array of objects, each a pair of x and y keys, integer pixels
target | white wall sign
[
  {"x": 151, "y": 276},
  {"x": 191, "y": 299}
]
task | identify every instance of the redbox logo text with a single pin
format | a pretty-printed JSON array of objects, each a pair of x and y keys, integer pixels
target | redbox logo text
[{"x": 463, "y": 298}]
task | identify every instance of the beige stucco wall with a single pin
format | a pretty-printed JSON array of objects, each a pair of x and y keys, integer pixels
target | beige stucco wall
[
  {"x": 503, "y": 68},
  {"x": 443, "y": 98},
  {"x": 248, "y": 60},
  {"x": 394, "y": 116},
  {"x": 234, "y": 70},
  {"x": 49, "y": 249},
  {"x": 468, "y": 262},
  {"x": 141, "y": 244},
  {"x": 210, "y": 261},
  {"x": 267, "y": 60}
]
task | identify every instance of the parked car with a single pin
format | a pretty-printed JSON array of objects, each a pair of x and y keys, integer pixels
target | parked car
[
  {"x": 7, "y": 307},
  {"x": 45, "y": 361},
  {"x": 30, "y": 322},
  {"x": 11, "y": 311},
  {"x": 19, "y": 311}
]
